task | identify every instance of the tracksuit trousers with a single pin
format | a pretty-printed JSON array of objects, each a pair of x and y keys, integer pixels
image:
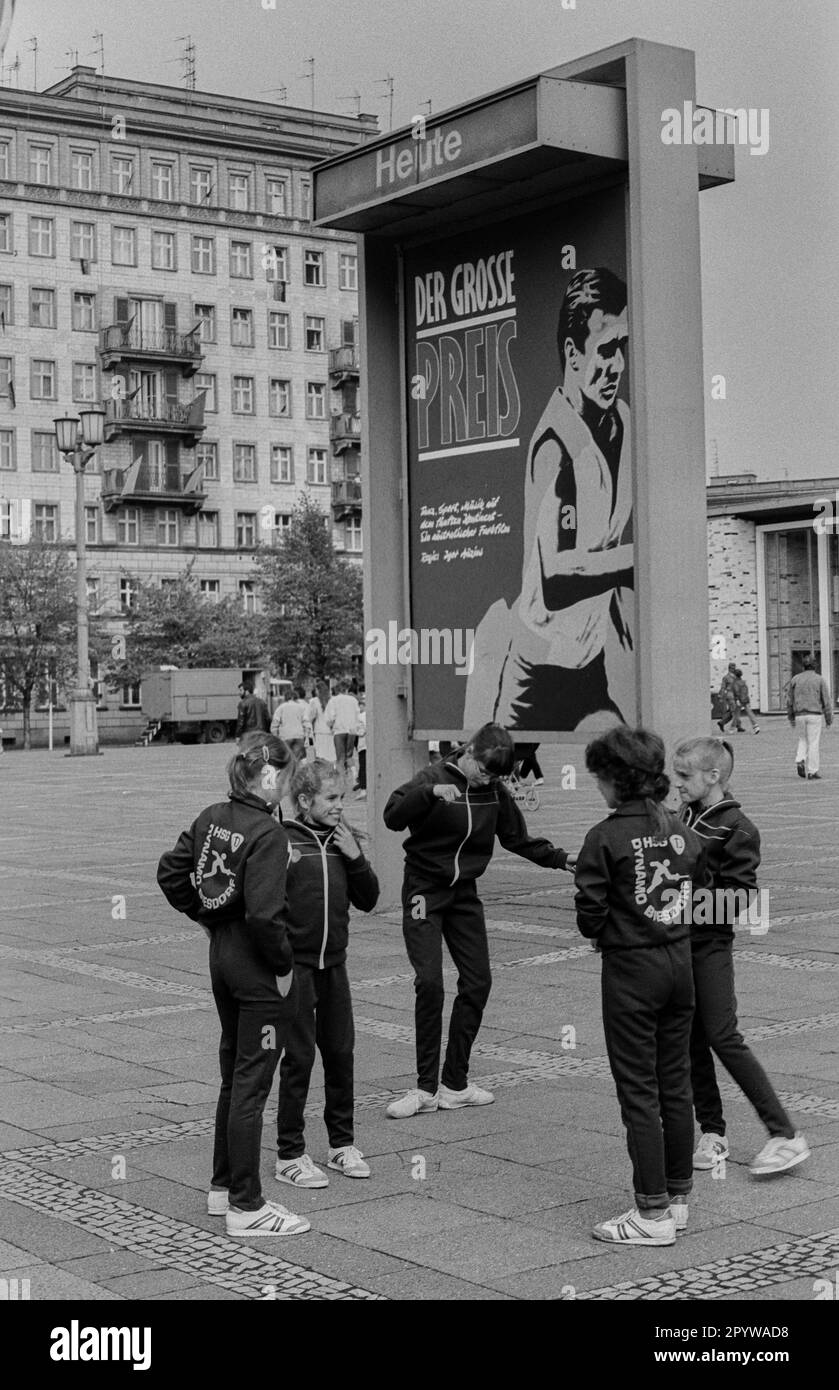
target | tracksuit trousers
[
  {"x": 647, "y": 1011},
  {"x": 324, "y": 1021},
  {"x": 715, "y": 1030},
  {"x": 432, "y": 914}
]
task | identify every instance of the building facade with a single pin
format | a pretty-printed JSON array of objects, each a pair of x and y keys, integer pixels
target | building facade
[{"x": 157, "y": 256}]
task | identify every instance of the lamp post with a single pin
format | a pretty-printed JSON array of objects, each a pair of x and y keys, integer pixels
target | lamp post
[{"x": 77, "y": 440}]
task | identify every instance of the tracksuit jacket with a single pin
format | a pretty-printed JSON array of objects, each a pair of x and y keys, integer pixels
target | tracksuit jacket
[
  {"x": 732, "y": 847},
  {"x": 452, "y": 841},
  {"x": 226, "y": 868},
  {"x": 321, "y": 885}
]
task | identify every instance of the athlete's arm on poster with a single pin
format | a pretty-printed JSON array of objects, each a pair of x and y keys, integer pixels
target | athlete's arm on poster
[{"x": 571, "y": 572}]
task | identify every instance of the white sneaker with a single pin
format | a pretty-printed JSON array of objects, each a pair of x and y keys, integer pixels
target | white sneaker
[
  {"x": 634, "y": 1229},
  {"x": 414, "y": 1103},
  {"x": 349, "y": 1161},
  {"x": 779, "y": 1154},
  {"x": 679, "y": 1212},
  {"x": 300, "y": 1172},
  {"x": 470, "y": 1095},
  {"x": 217, "y": 1201},
  {"x": 270, "y": 1220},
  {"x": 711, "y": 1150}
]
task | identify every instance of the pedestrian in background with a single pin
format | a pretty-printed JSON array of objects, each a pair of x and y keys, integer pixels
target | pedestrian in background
[
  {"x": 324, "y": 743},
  {"x": 252, "y": 713},
  {"x": 808, "y": 702},
  {"x": 744, "y": 704},
  {"x": 291, "y": 720},
  {"x": 361, "y": 789},
  {"x": 341, "y": 717}
]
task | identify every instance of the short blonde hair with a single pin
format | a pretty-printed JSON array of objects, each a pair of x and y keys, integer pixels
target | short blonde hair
[{"x": 708, "y": 754}]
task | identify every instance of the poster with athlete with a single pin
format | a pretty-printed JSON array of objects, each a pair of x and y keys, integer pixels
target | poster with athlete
[{"x": 520, "y": 475}]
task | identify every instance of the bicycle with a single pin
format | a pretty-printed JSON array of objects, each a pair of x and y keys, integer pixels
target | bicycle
[{"x": 523, "y": 793}]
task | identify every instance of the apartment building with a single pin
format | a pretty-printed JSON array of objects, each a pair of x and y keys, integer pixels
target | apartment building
[{"x": 157, "y": 256}]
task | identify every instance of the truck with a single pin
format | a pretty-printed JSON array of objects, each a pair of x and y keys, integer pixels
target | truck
[{"x": 201, "y": 703}]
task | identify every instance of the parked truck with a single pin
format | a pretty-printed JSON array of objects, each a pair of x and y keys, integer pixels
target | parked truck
[{"x": 201, "y": 703}]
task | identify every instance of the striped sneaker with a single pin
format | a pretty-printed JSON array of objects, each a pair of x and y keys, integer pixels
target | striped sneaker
[
  {"x": 778, "y": 1155},
  {"x": 300, "y": 1172},
  {"x": 270, "y": 1220},
  {"x": 349, "y": 1161},
  {"x": 711, "y": 1150},
  {"x": 634, "y": 1229}
]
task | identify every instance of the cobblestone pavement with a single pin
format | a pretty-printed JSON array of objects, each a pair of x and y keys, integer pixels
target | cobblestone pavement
[{"x": 108, "y": 1070}]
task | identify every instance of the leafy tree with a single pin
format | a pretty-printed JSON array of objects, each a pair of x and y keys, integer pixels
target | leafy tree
[
  {"x": 37, "y": 620},
  {"x": 311, "y": 597}
]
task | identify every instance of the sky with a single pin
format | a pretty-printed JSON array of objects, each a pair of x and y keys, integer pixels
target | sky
[{"x": 769, "y": 241}]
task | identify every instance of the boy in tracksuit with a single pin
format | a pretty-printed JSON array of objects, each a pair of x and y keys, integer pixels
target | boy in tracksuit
[
  {"x": 326, "y": 873},
  {"x": 702, "y": 770},
  {"x": 454, "y": 810}
]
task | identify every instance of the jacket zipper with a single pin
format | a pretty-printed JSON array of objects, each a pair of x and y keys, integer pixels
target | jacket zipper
[
  {"x": 465, "y": 838},
  {"x": 325, "y": 868}
]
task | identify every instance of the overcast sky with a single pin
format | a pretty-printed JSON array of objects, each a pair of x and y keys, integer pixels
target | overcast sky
[{"x": 769, "y": 242}]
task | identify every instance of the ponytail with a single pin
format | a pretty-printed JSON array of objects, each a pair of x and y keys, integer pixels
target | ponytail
[{"x": 256, "y": 751}]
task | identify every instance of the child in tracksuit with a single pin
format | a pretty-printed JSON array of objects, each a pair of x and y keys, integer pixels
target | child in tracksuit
[
  {"x": 702, "y": 769},
  {"x": 634, "y": 876},
  {"x": 227, "y": 872},
  {"x": 327, "y": 872},
  {"x": 454, "y": 810}
]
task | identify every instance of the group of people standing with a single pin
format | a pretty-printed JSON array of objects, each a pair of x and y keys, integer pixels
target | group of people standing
[
  {"x": 274, "y": 897},
  {"x": 321, "y": 725}
]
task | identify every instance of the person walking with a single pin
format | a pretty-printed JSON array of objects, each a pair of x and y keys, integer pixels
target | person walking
[
  {"x": 341, "y": 718},
  {"x": 729, "y": 703},
  {"x": 744, "y": 704},
  {"x": 291, "y": 720},
  {"x": 527, "y": 762},
  {"x": 808, "y": 702},
  {"x": 324, "y": 743},
  {"x": 228, "y": 873},
  {"x": 361, "y": 787},
  {"x": 251, "y": 712}
]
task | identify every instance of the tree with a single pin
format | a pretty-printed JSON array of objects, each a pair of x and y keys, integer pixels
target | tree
[
  {"x": 177, "y": 626},
  {"x": 311, "y": 598},
  {"x": 37, "y": 619}
]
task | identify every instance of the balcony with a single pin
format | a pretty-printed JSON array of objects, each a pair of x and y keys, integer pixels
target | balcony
[
  {"x": 345, "y": 432},
  {"x": 346, "y": 498},
  {"x": 127, "y": 342},
  {"x": 185, "y": 422},
  {"x": 163, "y": 484},
  {"x": 344, "y": 363}
]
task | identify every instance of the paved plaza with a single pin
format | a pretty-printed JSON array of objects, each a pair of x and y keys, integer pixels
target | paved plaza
[{"x": 108, "y": 1071}]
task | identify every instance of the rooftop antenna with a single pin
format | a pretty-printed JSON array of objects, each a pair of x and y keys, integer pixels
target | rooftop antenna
[
  {"x": 716, "y": 449},
  {"x": 310, "y": 64},
  {"x": 33, "y": 44},
  {"x": 73, "y": 55},
  {"x": 99, "y": 52},
  {"x": 188, "y": 60},
  {"x": 356, "y": 98},
  {"x": 427, "y": 105},
  {"x": 281, "y": 92},
  {"x": 389, "y": 83},
  {"x": 13, "y": 69}
]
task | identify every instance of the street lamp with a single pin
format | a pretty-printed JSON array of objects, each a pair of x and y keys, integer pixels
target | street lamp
[{"x": 77, "y": 440}]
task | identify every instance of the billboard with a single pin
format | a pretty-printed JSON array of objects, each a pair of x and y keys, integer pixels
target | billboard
[{"x": 520, "y": 474}]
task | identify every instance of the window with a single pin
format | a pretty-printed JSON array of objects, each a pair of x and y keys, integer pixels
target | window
[
  {"x": 45, "y": 521},
  {"x": 277, "y": 264},
  {"x": 315, "y": 400},
  {"x": 241, "y": 260},
  {"x": 282, "y": 525},
  {"x": 43, "y": 380},
  {"x": 247, "y": 593},
  {"x": 353, "y": 533},
  {"x": 204, "y": 255},
  {"x": 94, "y": 587},
  {"x": 128, "y": 533},
  {"x": 81, "y": 169},
  {"x": 41, "y": 236},
  {"x": 127, "y": 587},
  {"x": 167, "y": 526},
  {"x": 6, "y": 374},
  {"x": 122, "y": 173},
  {"x": 91, "y": 528},
  {"x": 206, "y": 455},
  {"x": 313, "y": 268},
  {"x": 8, "y": 460},
  {"x": 315, "y": 330},
  {"x": 124, "y": 245},
  {"x": 206, "y": 381},
  {"x": 5, "y": 160},
  {"x": 162, "y": 181},
  {"x": 208, "y": 536},
  {"x": 84, "y": 381},
  {"x": 41, "y": 308},
  {"x": 200, "y": 184},
  {"x": 239, "y": 192},
  {"x": 163, "y": 250},
  {"x": 83, "y": 241},
  {"x": 206, "y": 315},
  {"x": 210, "y": 589},
  {"x": 5, "y": 231},
  {"x": 84, "y": 312},
  {"x": 282, "y": 464},
  {"x": 40, "y": 164},
  {"x": 241, "y": 327},
  {"x": 279, "y": 397},
  {"x": 347, "y": 271},
  {"x": 316, "y": 466},
  {"x": 44, "y": 452},
  {"x": 243, "y": 395},
  {"x": 245, "y": 530},
  {"x": 276, "y": 197},
  {"x": 131, "y": 695},
  {"x": 305, "y": 199},
  {"x": 7, "y": 306},
  {"x": 278, "y": 330},
  {"x": 244, "y": 463}
]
